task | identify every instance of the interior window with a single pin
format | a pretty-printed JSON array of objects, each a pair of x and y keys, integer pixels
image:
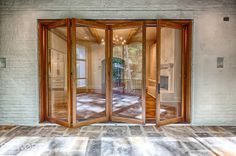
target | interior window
[{"x": 81, "y": 60}]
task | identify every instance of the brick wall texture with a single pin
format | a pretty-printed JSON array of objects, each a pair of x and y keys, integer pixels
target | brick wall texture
[{"x": 213, "y": 90}]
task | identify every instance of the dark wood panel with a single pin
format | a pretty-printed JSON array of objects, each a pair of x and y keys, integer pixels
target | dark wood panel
[{"x": 150, "y": 108}]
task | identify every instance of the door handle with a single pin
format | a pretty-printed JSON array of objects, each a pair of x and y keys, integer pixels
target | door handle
[{"x": 158, "y": 88}]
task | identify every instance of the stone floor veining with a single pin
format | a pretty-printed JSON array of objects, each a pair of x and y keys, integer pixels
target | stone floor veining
[{"x": 118, "y": 140}]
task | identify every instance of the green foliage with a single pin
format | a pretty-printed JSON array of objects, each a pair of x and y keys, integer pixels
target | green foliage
[{"x": 117, "y": 69}]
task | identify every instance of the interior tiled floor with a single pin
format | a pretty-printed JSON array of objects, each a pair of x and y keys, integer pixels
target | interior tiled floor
[
  {"x": 116, "y": 140},
  {"x": 93, "y": 105}
]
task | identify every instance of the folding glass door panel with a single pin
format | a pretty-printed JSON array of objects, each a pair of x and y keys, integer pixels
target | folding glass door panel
[
  {"x": 169, "y": 73},
  {"x": 57, "y": 71},
  {"x": 89, "y": 68},
  {"x": 127, "y": 71}
]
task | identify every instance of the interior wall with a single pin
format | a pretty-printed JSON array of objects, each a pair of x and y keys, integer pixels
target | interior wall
[
  {"x": 171, "y": 59},
  {"x": 213, "y": 89},
  {"x": 57, "y": 52},
  {"x": 96, "y": 54}
]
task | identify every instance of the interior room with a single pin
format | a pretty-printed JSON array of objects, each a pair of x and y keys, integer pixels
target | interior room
[
  {"x": 91, "y": 77},
  {"x": 126, "y": 73}
]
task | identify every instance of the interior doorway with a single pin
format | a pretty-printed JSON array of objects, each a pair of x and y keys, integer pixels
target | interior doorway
[{"x": 120, "y": 71}]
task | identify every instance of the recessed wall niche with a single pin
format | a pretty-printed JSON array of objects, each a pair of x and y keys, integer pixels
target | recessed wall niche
[{"x": 2, "y": 62}]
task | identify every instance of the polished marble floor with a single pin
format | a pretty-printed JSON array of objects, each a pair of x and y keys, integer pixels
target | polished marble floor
[{"x": 117, "y": 140}]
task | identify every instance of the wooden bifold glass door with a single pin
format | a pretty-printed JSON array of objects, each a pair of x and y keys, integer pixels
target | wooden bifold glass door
[
  {"x": 170, "y": 73},
  {"x": 93, "y": 71},
  {"x": 57, "y": 71},
  {"x": 90, "y": 104},
  {"x": 128, "y": 84}
]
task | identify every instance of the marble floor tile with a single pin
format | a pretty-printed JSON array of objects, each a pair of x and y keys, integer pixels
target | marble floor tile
[
  {"x": 204, "y": 135},
  {"x": 229, "y": 128},
  {"x": 200, "y": 128},
  {"x": 72, "y": 132},
  {"x": 169, "y": 148},
  {"x": 91, "y": 128},
  {"x": 178, "y": 132},
  {"x": 149, "y": 128},
  {"x": 115, "y": 131},
  {"x": 113, "y": 140},
  {"x": 193, "y": 145},
  {"x": 136, "y": 130},
  {"x": 116, "y": 147},
  {"x": 94, "y": 147},
  {"x": 90, "y": 135},
  {"x": 216, "y": 129},
  {"x": 155, "y": 135}
]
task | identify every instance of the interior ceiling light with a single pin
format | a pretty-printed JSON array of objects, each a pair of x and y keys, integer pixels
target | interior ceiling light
[{"x": 118, "y": 40}]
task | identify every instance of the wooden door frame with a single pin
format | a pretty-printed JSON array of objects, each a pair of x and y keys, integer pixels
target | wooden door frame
[{"x": 187, "y": 23}]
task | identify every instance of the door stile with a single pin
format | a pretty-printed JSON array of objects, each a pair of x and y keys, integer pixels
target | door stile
[
  {"x": 144, "y": 73},
  {"x": 73, "y": 70},
  {"x": 158, "y": 58},
  {"x": 108, "y": 72},
  {"x": 69, "y": 52}
]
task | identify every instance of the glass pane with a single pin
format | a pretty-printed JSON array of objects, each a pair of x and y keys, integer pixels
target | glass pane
[
  {"x": 81, "y": 69},
  {"x": 90, "y": 93},
  {"x": 57, "y": 73},
  {"x": 151, "y": 74},
  {"x": 81, "y": 83},
  {"x": 127, "y": 73},
  {"x": 80, "y": 52},
  {"x": 170, "y": 74}
]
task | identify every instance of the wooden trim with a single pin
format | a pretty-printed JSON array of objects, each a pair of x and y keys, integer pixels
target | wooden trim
[
  {"x": 132, "y": 33},
  {"x": 59, "y": 23},
  {"x": 73, "y": 67},
  {"x": 108, "y": 42},
  {"x": 41, "y": 72},
  {"x": 124, "y": 119},
  {"x": 188, "y": 42},
  {"x": 90, "y": 23},
  {"x": 60, "y": 122},
  {"x": 127, "y": 25},
  {"x": 46, "y": 71},
  {"x": 69, "y": 88},
  {"x": 144, "y": 73},
  {"x": 95, "y": 34},
  {"x": 90, "y": 121},
  {"x": 170, "y": 121},
  {"x": 169, "y": 24},
  {"x": 110, "y": 90},
  {"x": 158, "y": 64}
]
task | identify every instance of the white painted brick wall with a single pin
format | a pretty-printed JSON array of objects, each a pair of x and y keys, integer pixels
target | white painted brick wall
[{"x": 213, "y": 90}]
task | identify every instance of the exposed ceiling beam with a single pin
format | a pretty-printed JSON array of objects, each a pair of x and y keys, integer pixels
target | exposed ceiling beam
[
  {"x": 95, "y": 34},
  {"x": 59, "y": 34},
  {"x": 132, "y": 33}
]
